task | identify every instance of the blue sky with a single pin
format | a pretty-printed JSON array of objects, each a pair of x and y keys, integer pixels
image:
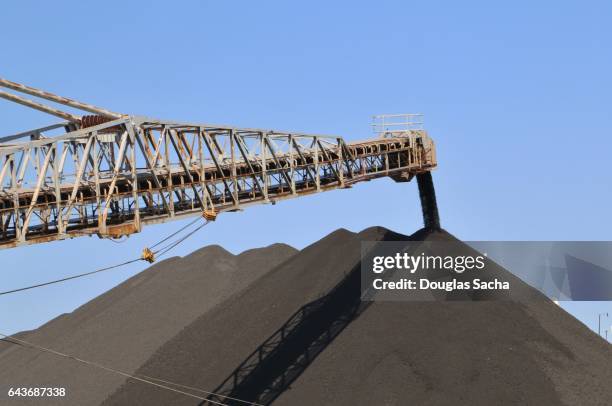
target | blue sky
[{"x": 516, "y": 96}]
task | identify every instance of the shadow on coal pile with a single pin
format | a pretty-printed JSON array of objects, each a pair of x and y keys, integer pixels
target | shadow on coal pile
[
  {"x": 277, "y": 362},
  {"x": 281, "y": 358}
]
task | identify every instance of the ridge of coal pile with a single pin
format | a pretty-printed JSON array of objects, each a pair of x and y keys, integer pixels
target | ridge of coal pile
[
  {"x": 123, "y": 327},
  {"x": 299, "y": 335}
]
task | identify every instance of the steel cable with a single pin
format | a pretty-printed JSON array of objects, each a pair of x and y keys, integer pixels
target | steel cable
[
  {"x": 176, "y": 232},
  {"x": 169, "y": 247},
  {"x": 162, "y": 251},
  {"x": 108, "y": 268},
  {"x": 141, "y": 378}
]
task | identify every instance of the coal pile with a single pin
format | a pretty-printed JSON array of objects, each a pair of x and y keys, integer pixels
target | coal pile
[
  {"x": 285, "y": 327},
  {"x": 299, "y": 335},
  {"x": 125, "y": 326}
]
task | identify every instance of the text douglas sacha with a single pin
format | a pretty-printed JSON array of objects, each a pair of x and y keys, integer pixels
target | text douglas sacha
[{"x": 426, "y": 284}]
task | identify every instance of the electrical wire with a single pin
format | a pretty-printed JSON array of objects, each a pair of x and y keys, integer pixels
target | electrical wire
[{"x": 141, "y": 378}]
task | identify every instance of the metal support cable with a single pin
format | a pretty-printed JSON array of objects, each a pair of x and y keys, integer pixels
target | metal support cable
[
  {"x": 176, "y": 232},
  {"x": 141, "y": 378},
  {"x": 108, "y": 268},
  {"x": 169, "y": 247},
  {"x": 162, "y": 251},
  {"x": 201, "y": 390}
]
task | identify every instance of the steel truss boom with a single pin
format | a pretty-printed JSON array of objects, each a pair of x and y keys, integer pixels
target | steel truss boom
[
  {"x": 111, "y": 174},
  {"x": 113, "y": 178}
]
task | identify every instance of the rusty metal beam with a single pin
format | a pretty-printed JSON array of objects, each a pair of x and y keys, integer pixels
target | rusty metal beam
[
  {"x": 40, "y": 107},
  {"x": 115, "y": 177},
  {"x": 57, "y": 99}
]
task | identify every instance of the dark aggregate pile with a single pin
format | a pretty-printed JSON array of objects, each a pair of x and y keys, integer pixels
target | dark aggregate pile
[
  {"x": 332, "y": 349},
  {"x": 123, "y": 327},
  {"x": 278, "y": 326}
]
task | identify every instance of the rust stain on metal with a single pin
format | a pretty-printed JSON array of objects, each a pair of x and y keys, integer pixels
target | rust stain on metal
[{"x": 119, "y": 230}]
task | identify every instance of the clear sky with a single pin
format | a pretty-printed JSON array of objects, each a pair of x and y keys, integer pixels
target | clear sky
[{"x": 517, "y": 96}]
